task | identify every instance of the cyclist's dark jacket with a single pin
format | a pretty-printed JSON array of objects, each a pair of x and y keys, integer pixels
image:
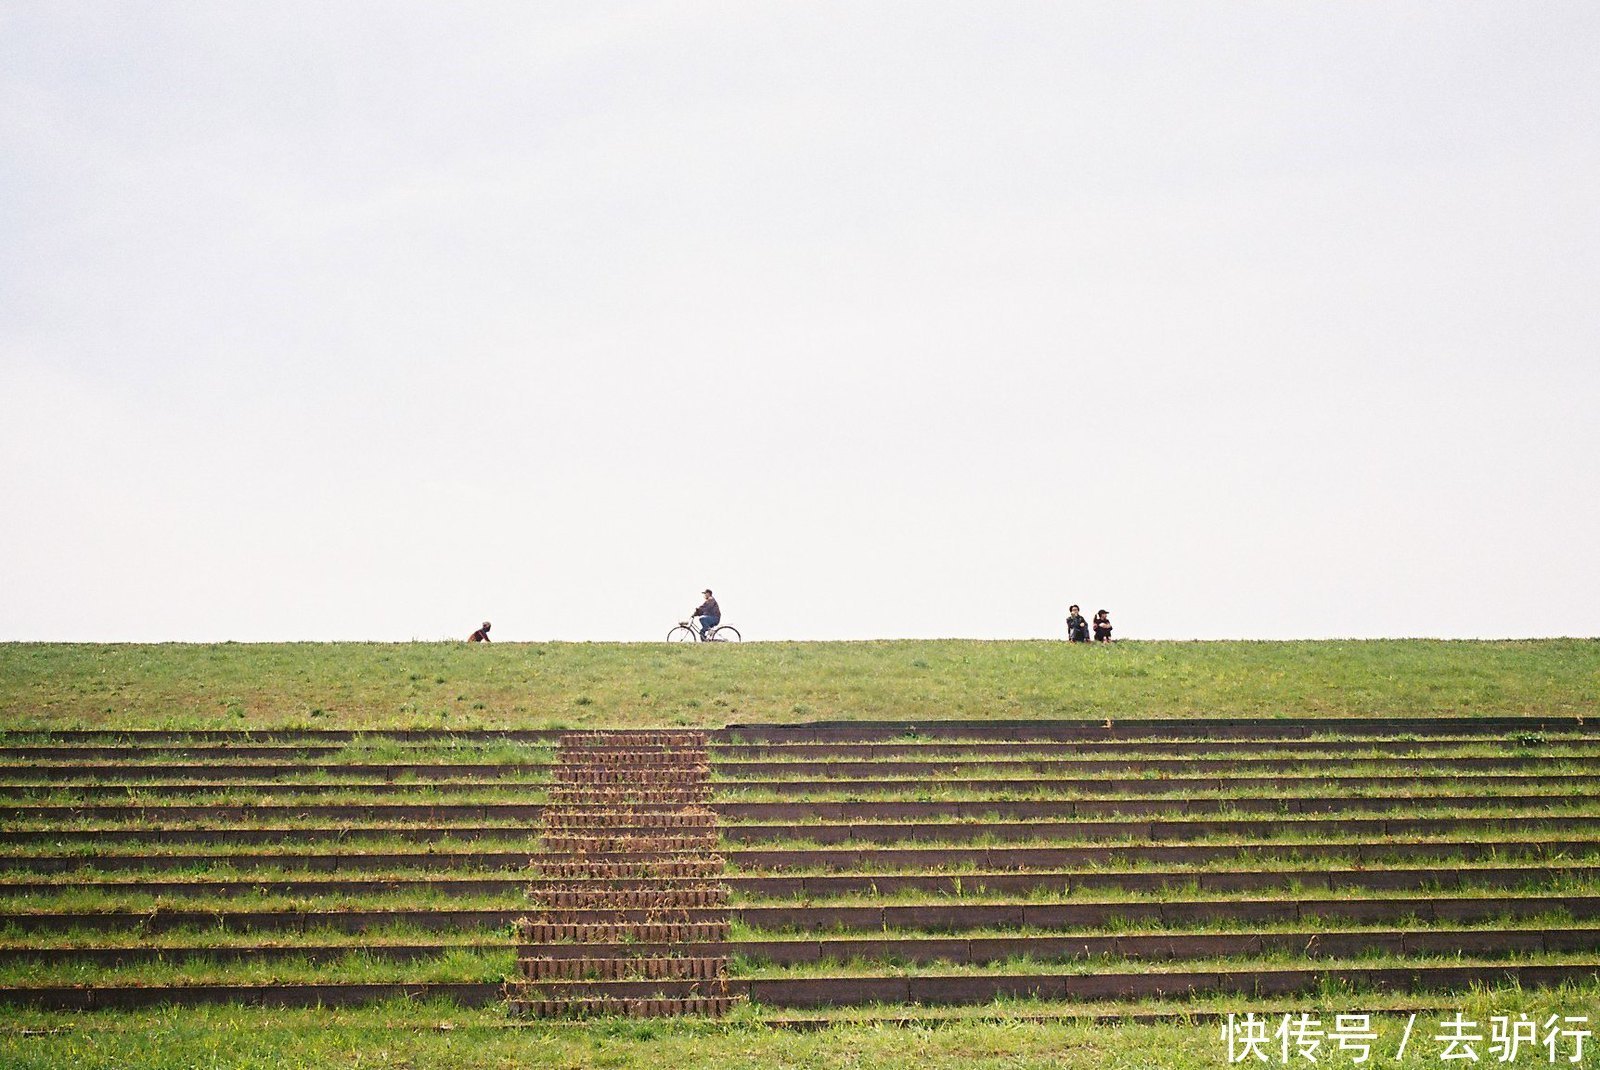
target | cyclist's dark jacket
[{"x": 709, "y": 608}]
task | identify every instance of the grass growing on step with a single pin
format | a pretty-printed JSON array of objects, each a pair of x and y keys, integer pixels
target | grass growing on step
[
  {"x": 1421, "y": 789},
  {"x": 159, "y": 796},
  {"x": 1101, "y": 964},
  {"x": 356, "y": 966},
  {"x": 1085, "y": 832},
  {"x": 1552, "y": 885},
  {"x": 512, "y": 838},
  {"x": 1556, "y": 916},
  {"x": 463, "y": 751},
  {"x": 87, "y": 899},
  {"x": 1580, "y": 755},
  {"x": 397, "y": 932}
]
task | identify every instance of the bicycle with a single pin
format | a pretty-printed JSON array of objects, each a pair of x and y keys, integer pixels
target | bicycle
[{"x": 689, "y": 632}]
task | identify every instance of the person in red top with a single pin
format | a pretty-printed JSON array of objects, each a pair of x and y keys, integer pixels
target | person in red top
[{"x": 481, "y": 635}]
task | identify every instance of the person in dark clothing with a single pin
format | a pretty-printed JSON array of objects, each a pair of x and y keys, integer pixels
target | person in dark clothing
[
  {"x": 481, "y": 635},
  {"x": 1102, "y": 627},
  {"x": 1077, "y": 627},
  {"x": 709, "y": 615}
]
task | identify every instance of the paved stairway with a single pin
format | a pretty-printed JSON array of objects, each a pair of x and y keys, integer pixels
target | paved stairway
[{"x": 628, "y": 876}]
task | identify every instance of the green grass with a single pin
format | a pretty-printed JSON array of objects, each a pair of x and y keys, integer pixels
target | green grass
[
  {"x": 439, "y": 1036},
  {"x": 452, "y": 685},
  {"x": 460, "y": 965},
  {"x": 1027, "y": 964}
]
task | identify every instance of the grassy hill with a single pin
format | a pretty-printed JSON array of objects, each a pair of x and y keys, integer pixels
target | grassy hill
[
  {"x": 453, "y": 685},
  {"x": 1428, "y": 868}
]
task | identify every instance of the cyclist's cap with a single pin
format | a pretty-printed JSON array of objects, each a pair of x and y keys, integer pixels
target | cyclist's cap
[{"x": 706, "y": 591}]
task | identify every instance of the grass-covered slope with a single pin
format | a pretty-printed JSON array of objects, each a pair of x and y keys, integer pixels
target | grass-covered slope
[{"x": 453, "y": 685}]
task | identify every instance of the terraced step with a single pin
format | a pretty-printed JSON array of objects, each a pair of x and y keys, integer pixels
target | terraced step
[
  {"x": 731, "y": 792},
  {"x": 885, "y": 833},
  {"x": 935, "y": 916},
  {"x": 818, "y": 992},
  {"x": 881, "y": 860},
  {"x": 1386, "y": 744},
  {"x": 698, "y": 891},
  {"x": 109, "y": 957},
  {"x": 948, "y": 768},
  {"x": 403, "y": 772},
  {"x": 925, "y": 861},
  {"x": 1260, "y": 982},
  {"x": 1180, "y": 728},
  {"x": 841, "y": 772},
  {"x": 557, "y": 819}
]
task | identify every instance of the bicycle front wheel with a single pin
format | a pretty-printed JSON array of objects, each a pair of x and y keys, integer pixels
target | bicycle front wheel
[
  {"x": 681, "y": 634},
  {"x": 725, "y": 633}
]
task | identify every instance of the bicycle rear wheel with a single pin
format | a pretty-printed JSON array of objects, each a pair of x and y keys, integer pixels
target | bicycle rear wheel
[
  {"x": 725, "y": 633},
  {"x": 681, "y": 634}
]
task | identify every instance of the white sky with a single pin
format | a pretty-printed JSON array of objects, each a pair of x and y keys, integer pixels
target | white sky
[{"x": 370, "y": 321}]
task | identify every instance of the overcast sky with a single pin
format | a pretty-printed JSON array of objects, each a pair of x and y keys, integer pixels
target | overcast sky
[{"x": 374, "y": 320}]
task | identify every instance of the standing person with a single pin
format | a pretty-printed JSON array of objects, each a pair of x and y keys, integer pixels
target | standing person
[
  {"x": 481, "y": 635},
  {"x": 1077, "y": 627},
  {"x": 1102, "y": 627},
  {"x": 709, "y": 615}
]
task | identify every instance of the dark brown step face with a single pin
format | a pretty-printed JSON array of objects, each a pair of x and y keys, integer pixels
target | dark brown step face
[
  {"x": 1196, "y": 728},
  {"x": 976, "y": 749},
  {"x": 148, "y": 954},
  {"x": 1165, "y": 785},
  {"x": 115, "y": 997},
  {"x": 313, "y": 736},
  {"x": 938, "y": 770},
  {"x": 400, "y": 771},
  {"x": 866, "y": 833}
]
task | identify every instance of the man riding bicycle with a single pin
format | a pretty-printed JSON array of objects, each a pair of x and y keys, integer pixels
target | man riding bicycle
[{"x": 709, "y": 614}]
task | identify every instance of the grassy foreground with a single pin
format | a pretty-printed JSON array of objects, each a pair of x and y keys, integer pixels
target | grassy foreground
[
  {"x": 423, "y": 1037},
  {"x": 453, "y": 685}
]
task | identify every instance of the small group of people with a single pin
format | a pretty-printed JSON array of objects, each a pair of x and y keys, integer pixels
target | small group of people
[
  {"x": 1078, "y": 628},
  {"x": 707, "y": 615}
]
